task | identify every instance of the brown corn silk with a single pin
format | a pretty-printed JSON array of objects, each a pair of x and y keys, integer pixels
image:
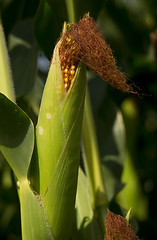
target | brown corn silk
[
  {"x": 118, "y": 228},
  {"x": 83, "y": 42}
]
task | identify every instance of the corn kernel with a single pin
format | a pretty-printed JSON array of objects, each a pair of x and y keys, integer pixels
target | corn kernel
[
  {"x": 72, "y": 67},
  {"x": 65, "y": 80},
  {"x": 65, "y": 75},
  {"x": 66, "y": 85},
  {"x": 66, "y": 70},
  {"x": 72, "y": 72}
]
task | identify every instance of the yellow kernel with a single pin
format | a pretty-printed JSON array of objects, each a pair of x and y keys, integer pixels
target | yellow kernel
[
  {"x": 65, "y": 75},
  {"x": 66, "y": 70},
  {"x": 72, "y": 67},
  {"x": 72, "y": 72},
  {"x": 65, "y": 80},
  {"x": 66, "y": 85}
]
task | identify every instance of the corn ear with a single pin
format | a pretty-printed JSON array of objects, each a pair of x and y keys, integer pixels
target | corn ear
[{"x": 58, "y": 137}]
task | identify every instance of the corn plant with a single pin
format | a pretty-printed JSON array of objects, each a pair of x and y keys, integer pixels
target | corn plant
[{"x": 57, "y": 199}]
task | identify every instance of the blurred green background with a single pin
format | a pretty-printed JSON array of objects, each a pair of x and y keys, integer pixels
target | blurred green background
[{"x": 130, "y": 27}]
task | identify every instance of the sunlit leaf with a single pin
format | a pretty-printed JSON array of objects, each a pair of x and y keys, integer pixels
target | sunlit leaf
[
  {"x": 6, "y": 84},
  {"x": 85, "y": 225},
  {"x": 34, "y": 220}
]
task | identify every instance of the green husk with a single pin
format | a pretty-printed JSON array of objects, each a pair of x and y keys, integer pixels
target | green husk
[
  {"x": 58, "y": 136},
  {"x": 34, "y": 220}
]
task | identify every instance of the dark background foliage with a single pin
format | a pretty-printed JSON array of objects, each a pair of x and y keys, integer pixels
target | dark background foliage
[{"x": 32, "y": 29}]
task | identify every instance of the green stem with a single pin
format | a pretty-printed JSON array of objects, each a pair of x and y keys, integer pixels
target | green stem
[
  {"x": 71, "y": 10},
  {"x": 6, "y": 84},
  {"x": 91, "y": 155},
  {"x": 92, "y": 163}
]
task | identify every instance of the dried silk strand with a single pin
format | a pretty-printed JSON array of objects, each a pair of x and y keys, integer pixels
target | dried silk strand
[{"x": 83, "y": 42}]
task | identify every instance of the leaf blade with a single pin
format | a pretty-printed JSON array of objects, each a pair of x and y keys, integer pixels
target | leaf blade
[
  {"x": 16, "y": 137},
  {"x": 34, "y": 220}
]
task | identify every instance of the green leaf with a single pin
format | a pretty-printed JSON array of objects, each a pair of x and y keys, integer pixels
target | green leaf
[
  {"x": 113, "y": 164},
  {"x": 6, "y": 86},
  {"x": 34, "y": 220},
  {"x": 93, "y": 165},
  {"x": 23, "y": 54},
  {"x": 86, "y": 226},
  {"x": 15, "y": 10},
  {"x": 132, "y": 195},
  {"x": 9, "y": 19},
  {"x": 48, "y": 24},
  {"x": 92, "y": 158},
  {"x": 16, "y": 137}
]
